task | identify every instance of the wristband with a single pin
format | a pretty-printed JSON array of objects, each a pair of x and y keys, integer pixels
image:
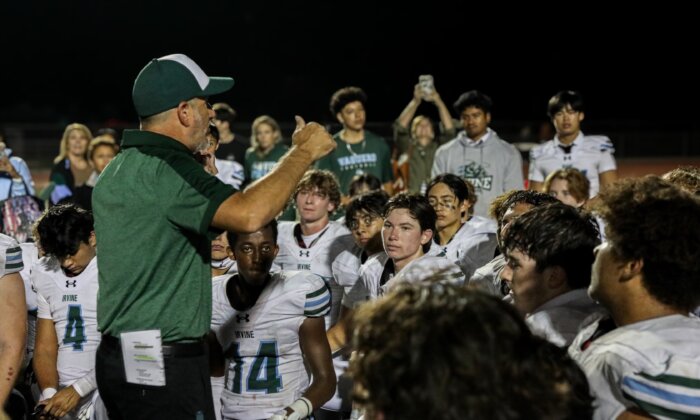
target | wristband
[
  {"x": 48, "y": 393},
  {"x": 301, "y": 409}
]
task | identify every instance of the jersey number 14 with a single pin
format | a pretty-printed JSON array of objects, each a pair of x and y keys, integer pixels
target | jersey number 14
[{"x": 262, "y": 375}]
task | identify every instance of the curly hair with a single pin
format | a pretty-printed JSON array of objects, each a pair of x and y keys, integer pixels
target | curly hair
[
  {"x": 62, "y": 228},
  {"x": 324, "y": 180},
  {"x": 556, "y": 235},
  {"x": 346, "y": 95},
  {"x": 439, "y": 351},
  {"x": 685, "y": 177},
  {"x": 578, "y": 185},
  {"x": 652, "y": 220}
]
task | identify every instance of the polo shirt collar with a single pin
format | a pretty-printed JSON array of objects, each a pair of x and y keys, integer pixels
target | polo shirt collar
[{"x": 137, "y": 138}]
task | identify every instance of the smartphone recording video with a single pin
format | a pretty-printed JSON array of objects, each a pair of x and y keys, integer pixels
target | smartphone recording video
[{"x": 426, "y": 84}]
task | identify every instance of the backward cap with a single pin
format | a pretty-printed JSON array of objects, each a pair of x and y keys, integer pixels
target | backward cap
[{"x": 166, "y": 81}]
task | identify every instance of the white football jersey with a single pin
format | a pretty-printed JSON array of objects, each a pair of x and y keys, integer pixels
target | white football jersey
[
  {"x": 71, "y": 302},
  {"x": 11, "y": 256},
  {"x": 346, "y": 267},
  {"x": 652, "y": 364},
  {"x": 487, "y": 278},
  {"x": 265, "y": 369},
  {"x": 559, "y": 319},
  {"x": 317, "y": 258},
  {"x": 230, "y": 172},
  {"x": 427, "y": 267},
  {"x": 220, "y": 309},
  {"x": 592, "y": 155},
  {"x": 30, "y": 256},
  {"x": 472, "y": 246}
]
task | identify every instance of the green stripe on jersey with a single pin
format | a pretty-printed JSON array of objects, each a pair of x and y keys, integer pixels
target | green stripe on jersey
[
  {"x": 318, "y": 292},
  {"x": 13, "y": 266},
  {"x": 319, "y": 311},
  {"x": 658, "y": 410},
  {"x": 673, "y": 380}
]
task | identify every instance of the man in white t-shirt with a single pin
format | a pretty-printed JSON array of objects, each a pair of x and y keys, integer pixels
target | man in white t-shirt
[
  {"x": 646, "y": 274},
  {"x": 592, "y": 155}
]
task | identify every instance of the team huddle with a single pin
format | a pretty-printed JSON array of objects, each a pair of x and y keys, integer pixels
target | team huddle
[{"x": 464, "y": 296}]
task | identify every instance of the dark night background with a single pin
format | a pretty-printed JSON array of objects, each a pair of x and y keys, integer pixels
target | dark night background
[{"x": 76, "y": 61}]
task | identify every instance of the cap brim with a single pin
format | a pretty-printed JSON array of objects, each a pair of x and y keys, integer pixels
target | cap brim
[{"x": 218, "y": 85}]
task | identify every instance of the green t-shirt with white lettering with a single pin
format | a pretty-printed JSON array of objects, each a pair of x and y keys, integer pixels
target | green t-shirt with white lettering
[{"x": 372, "y": 155}]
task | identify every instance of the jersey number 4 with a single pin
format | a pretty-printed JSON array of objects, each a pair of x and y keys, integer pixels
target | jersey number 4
[
  {"x": 262, "y": 374},
  {"x": 75, "y": 329}
]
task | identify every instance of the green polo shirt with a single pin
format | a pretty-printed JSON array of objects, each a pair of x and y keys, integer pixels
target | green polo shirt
[{"x": 153, "y": 206}]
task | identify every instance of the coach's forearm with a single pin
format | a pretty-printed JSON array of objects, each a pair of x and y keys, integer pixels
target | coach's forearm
[{"x": 263, "y": 200}]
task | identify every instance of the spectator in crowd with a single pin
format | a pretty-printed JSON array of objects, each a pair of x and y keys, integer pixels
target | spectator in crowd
[
  {"x": 232, "y": 146},
  {"x": 101, "y": 151},
  {"x": 359, "y": 150},
  {"x": 266, "y": 148},
  {"x": 478, "y": 155},
  {"x": 71, "y": 167},
  {"x": 364, "y": 183},
  {"x": 415, "y": 137},
  {"x": 15, "y": 177}
]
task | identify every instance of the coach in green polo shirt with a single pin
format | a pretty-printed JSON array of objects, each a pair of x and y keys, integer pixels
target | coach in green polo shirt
[{"x": 156, "y": 210}]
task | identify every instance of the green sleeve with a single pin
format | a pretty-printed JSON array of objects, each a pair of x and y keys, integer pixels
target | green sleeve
[
  {"x": 402, "y": 137},
  {"x": 194, "y": 197}
]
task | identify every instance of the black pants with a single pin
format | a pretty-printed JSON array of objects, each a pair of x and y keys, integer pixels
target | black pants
[{"x": 186, "y": 394}]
